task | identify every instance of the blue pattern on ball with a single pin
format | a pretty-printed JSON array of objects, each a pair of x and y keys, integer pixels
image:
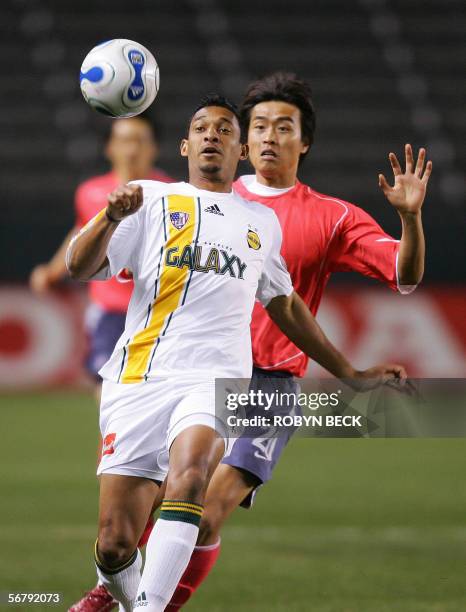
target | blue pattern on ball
[
  {"x": 136, "y": 88},
  {"x": 94, "y": 75}
]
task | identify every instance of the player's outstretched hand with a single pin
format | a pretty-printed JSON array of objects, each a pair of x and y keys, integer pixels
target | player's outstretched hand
[
  {"x": 124, "y": 201},
  {"x": 387, "y": 374},
  {"x": 409, "y": 190}
]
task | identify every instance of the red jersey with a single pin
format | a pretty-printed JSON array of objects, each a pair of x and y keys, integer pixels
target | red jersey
[
  {"x": 321, "y": 235},
  {"x": 90, "y": 198}
]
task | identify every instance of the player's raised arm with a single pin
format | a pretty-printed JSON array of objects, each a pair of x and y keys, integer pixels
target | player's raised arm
[
  {"x": 293, "y": 317},
  {"x": 407, "y": 196},
  {"x": 87, "y": 253}
]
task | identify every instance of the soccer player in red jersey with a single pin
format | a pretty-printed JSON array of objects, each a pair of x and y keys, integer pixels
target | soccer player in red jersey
[
  {"x": 132, "y": 151},
  {"x": 321, "y": 234}
]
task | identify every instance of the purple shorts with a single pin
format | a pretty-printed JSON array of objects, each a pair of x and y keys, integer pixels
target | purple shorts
[
  {"x": 259, "y": 455},
  {"x": 103, "y": 329}
]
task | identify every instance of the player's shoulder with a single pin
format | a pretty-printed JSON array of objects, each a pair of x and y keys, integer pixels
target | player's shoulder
[
  {"x": 101, "y": 181},
  {"x": 344, "y": 214},
  {"x": 91, "y": 195},
  {"x": 154, "y": 190},
  {"x": 255, "y": 209},
  {"x": 324, "y": 200},
  {"x": 260, "y": 217},
  {"x": 107, "y": 181},
  {"x": 333, "y": 205},
  {"x": 250, "y": 205}
]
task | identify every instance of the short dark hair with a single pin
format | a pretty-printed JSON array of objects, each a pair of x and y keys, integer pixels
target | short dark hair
[
  {"x": 284, "y": 87},
  {"x": 215, "y": 99}
]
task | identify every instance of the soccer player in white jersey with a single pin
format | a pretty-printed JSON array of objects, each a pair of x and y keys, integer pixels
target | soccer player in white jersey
[{"x": 200, "y": 255}]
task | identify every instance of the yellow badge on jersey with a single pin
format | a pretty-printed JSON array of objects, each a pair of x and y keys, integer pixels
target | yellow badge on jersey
[{"x": 253, "y": 240}]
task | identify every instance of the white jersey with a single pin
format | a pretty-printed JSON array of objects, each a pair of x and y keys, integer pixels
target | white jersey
[{"x": 199, "y": 260}]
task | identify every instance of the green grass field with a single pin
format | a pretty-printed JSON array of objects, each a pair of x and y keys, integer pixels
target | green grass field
[{"x": 345, "y": 526}]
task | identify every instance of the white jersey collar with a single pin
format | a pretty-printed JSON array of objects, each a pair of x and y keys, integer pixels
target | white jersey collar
[
  {"x": 251, "y": 183},
  {"x": 212, "y": 194}
]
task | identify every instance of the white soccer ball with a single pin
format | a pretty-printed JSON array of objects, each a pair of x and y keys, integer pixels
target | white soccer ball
[{"x": 119, "y": 78}]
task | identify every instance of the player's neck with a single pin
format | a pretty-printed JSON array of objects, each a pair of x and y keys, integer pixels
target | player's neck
[
  {"x": 277, "y": 181},
  {"x": 210, "y": 184}
]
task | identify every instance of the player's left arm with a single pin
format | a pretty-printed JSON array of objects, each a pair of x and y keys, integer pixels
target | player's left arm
[
  {"x": 295, "y": 320},
  {"x": 291, "y": 314},
  {"x": 361, "y": 245},
  {"x": 407, "y": 196}
]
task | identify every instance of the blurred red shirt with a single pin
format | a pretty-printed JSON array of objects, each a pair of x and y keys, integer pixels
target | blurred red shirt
[
  {"x": 91, "y": 198},
  {"x": 321, "y": 235}
]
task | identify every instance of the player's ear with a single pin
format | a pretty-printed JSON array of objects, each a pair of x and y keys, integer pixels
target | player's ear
[
  {"x": 305, "y": 146},
  {"x": 184, "y": 148},
  {"x": 244, "y": 152}
]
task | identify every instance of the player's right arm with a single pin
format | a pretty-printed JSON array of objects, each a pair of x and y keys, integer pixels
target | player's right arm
[{"x": 87, "y": 252}]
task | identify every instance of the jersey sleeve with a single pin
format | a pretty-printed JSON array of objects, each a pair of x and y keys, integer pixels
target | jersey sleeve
[
  {"x": 275, "y": 279},
  {"x": 122, "y": 250},
  {"x": 362, "y": 246}
]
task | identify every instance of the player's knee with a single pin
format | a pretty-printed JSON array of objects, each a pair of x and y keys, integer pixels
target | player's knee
[
  {"x": 114, "y": 548},
  {"x": 189, "y": 483}
]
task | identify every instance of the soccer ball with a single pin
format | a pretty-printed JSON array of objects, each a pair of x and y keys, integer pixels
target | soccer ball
[{"x": 119, "y": 78}]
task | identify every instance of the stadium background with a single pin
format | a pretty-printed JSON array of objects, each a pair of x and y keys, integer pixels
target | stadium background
[{"x": 347, "y": 524}]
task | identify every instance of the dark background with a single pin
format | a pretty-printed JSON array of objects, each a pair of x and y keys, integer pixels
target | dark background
[{"x": 383, "y": 73}]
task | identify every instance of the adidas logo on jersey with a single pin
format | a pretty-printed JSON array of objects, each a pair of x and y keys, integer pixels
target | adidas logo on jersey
[
  {"x": 214, "y": 209},
  {"x": 141, "y": 600}
]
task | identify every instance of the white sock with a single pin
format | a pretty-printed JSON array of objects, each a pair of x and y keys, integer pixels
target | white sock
[
  {"x": 123, "y": 585},
  {"x": 168, "y": 552}
]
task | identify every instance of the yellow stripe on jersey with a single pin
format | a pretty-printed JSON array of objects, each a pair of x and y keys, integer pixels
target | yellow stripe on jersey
[{"x": 171, "y": 285}]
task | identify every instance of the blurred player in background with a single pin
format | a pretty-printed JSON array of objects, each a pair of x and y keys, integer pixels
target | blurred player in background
[
  {"x": 321, "y": 235},
  {"x": 132, "y": 151}
]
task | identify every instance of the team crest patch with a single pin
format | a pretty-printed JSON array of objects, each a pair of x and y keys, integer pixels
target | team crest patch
[
  {"x": 179, "y": 219},
  {"x": 253, "y": 240}
]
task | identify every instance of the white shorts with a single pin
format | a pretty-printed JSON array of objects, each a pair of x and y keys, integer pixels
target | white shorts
[{"x": 139, "y": 422}]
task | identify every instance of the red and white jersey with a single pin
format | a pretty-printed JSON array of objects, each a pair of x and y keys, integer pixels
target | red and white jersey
[
  {"x": 90, "y": 198},
  {"x": 321, "y": 235}
]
